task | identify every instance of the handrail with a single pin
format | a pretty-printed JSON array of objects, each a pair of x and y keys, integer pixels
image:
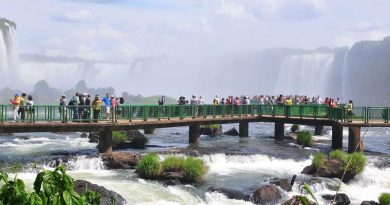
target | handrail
[{"x": 65, "y": 114}]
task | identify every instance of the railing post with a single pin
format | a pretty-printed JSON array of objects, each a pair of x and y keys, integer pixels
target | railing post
[
  {"x": 301, "y": 111},
  {"x": 144, "y": 112},
  {"x": 181, "y": 112},
  {"x": 2, "y": 111}
]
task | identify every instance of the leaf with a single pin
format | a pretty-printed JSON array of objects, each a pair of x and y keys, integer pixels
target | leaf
[
  {"x": 307, "y": 188},
  {"x": 35, "y": 199},
  {"x": 38, "y": 181},
  {"x": 4, "y": 177},
  {"x": 71, "y": 197},
  {"x": 68, "y": 182},
  {"x": 304, "y": 200}
]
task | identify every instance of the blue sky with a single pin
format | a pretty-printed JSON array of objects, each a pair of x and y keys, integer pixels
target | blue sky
[{"x": 125, "y": 29}]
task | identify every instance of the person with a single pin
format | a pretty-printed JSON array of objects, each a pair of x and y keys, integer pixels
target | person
[
  {"x": 62, "y": 108},
  {"x": 74, "y": 103},
  {"x": 30, "y": 108},
  {"x": 113, "y": 103},
  {"x": 201, "y": 100},
  {"x": 121, "y": 101},
  {"x": 87, "y": 107},
  {"x": 15, "y": 102},
  {"x": 161, "y": 100},
  {"x": 107, "y": 105},
  {"x": 22, "y": 109},
  {"x": 194, "y": 107},
  {"x": 349, "y": 110},
  {"x": 194, "y": 101},
  {"x": 216, "y": 100},
  {"x": 222, "y": 101},
  {"x": 96, "y": 105}
]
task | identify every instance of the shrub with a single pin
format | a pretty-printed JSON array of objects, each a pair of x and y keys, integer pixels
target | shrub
[
  {"x": 173, "y": 163},
  {"x": 194, "y": 169},
  {"x": 305, "y": 138},
  {"x": 149, "y": 166},
  {"x": 119, "y": 136},
  {"x": 384, "y": 199},
  {"x": 340, "y": 155},
  {"x": 318, "y": 159},
  {"x": 357, "y": 164},
  {"x": 294, "y": 128},
  {"x": 139, "y": 142}
]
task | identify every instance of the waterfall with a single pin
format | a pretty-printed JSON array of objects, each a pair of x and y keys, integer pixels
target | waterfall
[
  {"x": 8, "y": 54},
  {"x": 345, "y": 77},
  {"x": 305, "y": 74}
]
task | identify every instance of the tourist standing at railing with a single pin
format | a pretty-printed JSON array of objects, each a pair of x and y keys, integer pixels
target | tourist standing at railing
[
  {"x": 107, "y": 105},
  {"x": 63, "y": 109},
  {"x": 216, "y": 100},
  {"x": 81, "y": 107},
  {"x": 15, "y": 102},
  {"x": 113, "y": 103},
  {"x": 22, "y": 109},
  {"x": 73, "y": 104},
  {"x": 96, "y": 105},
  {"x": 161, "y": 100},
  {"x": 349, "y": 110},
  {"x": 30, "y": 108}
]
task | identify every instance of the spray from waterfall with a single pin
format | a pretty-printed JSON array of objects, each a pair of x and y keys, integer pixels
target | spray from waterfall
[{"x": 8, "y": 53}]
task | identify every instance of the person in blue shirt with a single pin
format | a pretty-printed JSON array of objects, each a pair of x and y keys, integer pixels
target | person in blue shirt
[{"x": 107, "y": 105}]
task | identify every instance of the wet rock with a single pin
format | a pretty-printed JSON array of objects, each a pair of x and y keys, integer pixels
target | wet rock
[
  {"x": 134, "y": 133},
  {"x": 139, "y": 142},
  {"x": 369, "y": 203},
  {"x": 120, "y": 160},
  {"x": 171, "y": 178},
  {"x": 331, "y": 168},
  {"x": 230, "y": 193},
  {"x": 282, "y": 183},
  {"x": 106, "y": 195},
  {"x": 310, "y": 170},
  {"x": 84, "y": 135},
  {"x": 93, "y": 137},
  {"x": 211, "y": 130},
  {"x": 341, "y": 199},
  {"x": 296, "y": 200},
  {"x": 23, "y": 137},
  {"x": 149, "y": 130},
  {"x": 122, "y": 145},
  {"x": 267, "y": 194},
  {"x": 232, "y": 132}
]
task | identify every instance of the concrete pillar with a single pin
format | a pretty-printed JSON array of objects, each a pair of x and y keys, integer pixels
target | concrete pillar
[
  {"x": 244, "y": 129},
  {"x": 149, "y": 130},
  {"x": 194, "y": 134},
  {"x": 353, "y": 139},
  {"x": 318, "y": 130},
  {"x": 279, "y": 130},
  {"x": 337, "y": 136},
  {"x": 105, "y": 140}
]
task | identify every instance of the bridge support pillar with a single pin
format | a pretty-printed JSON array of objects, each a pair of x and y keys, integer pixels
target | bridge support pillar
[
  {"x": 244, "y": 129},
  {"x": 337, "y": 136},
  {"x": 318, "y": 130},
  {"x": 194, "y": 134},
  {"x": 105, "y": 140},
  {"x": 354, "y": 139},
  {"x": 279, "y": 130}
]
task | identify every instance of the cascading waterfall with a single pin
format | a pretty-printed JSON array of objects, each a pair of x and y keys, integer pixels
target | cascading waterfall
[
  {"x": 305, "y": 74},
  {"x": 345, "y": 77},
  {"x": 8, "y": 53}
]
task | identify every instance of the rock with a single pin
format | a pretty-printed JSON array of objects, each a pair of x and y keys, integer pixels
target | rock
[
  {"x": 282, "y": 183},
  {"x": 230, "y": 193},
  {"x": 84, "y": 135},
  {"x": 266, "y": 195},
  {"x": 296, "y": 200},
  {"x": 93, "y": 137},
  {"x": 232, "y": 132},
  {"x": 171, "y": 178},
  {"x": 149, "y": 130},
  {"x": 331, "y": 168},
  {"x": 341, "y": 199},
  {"x": 309, "y": 170},
  {"x": 139, "y": 142},
  {"x": 106, "y": 195},
  {"x": 122, "y": 145},
  {"x": 134, "y": 133},
  {"x": 120, "y": 160},
  {"x": 369, "y": 203},
  {"x": 211, "y": 130},
  {"x": 23, "y": 137}
]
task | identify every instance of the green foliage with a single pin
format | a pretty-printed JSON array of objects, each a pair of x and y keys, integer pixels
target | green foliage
[
  {"x": 119, "y": 136},
  {"x": 194, "y": 169},
  {"x": 318, "y": 159},
  {"x": 340, "y": 155},
  {"x": 384, "y": 199},
  {"x": 357, "y": 164},
  {"x": 173, "y": 163},
  {"x": 213, "y": 126},
  {"x": 308, "y": 190},
  {"x": 149, "y": 166},
  {"x": 50, "y": 188},
  {"x": 294, "y": 128},
  {"x": 139, "y": 142},
  {"x": 305, "y": 138}
]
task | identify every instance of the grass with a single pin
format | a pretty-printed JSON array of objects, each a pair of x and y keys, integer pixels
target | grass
[
  {"x": 318, "y": 160},
  {"x": 194, "y": 169},
  {"x": 384, "y": 199},
  {"x": 305, "y": 138},
  {"x": 173, "y": 164},
  {"x": 149, "y": 167},
  {"x": 294, "y": 128},
  {"x": 119, "y": 136},
  {"x": 357, "y": 164},
  {"x": 340, "y": 155}
]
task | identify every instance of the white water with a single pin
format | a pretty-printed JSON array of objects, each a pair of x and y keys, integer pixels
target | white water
[{"x": 305, "y": 74}]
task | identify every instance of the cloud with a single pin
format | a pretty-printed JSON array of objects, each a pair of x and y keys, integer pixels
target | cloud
[
  {"x": 98, "y": 1},
  {"x": 363, "y": 26},
  {"x": 75, "y": 17}
]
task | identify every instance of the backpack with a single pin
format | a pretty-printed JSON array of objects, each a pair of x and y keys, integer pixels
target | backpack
[{"x": 121, "y": 100}]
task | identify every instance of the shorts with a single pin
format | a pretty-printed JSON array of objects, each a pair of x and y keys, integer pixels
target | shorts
[{"x": 108, "y": 110}]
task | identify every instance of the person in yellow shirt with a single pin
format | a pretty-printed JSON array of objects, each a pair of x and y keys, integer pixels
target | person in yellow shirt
[
  {"x": 16, "y": 103},
  {"x": 96, "y": 106},
  {"x": 288, "y": 103}
]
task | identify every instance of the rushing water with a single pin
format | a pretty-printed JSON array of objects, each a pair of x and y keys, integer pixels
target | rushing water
[{"x": 236, "y": 163}]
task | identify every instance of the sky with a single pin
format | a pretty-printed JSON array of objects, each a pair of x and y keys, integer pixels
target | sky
[{"x": 121, "y": 30}]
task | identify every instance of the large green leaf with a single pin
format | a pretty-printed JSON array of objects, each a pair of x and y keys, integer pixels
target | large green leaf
[
  {"x": 68, "y": 182},
  {"x": 38, "y": 181},
  {"x": 71, "y": 197},
  {"x": 35, "y": 199}
]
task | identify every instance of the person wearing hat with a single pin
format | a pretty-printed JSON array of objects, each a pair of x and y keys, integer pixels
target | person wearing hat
[
  {"x": 96, "y": 105},
  {"x": 15, "y": 102}
]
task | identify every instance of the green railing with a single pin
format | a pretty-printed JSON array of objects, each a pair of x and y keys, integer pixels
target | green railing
[{"x": 55, "y": 113}]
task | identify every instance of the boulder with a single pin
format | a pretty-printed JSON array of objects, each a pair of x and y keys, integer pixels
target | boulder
[
  {"x": 268, "y": 194},
  {"x": 341, "y": 199},
  {"x": 134, "y": 133},
  {"x": 232, "y": 132},
  {"x": 230, "y": 193},
  {"x": 309, "y": 170},
  {"x": 211, "y": 130},
  {"x": 107, "y": 196},
  {"x": 282, "y": 183},
  {"x": 296, "y": 200},
  {"x": 84, "y": 135},
  {"x": 331, "y": 168},
  {"x": 369, "y": 203},
  {"x": 120, "y": 160},
  {"x": 122, "y": 145},
  {"x": 171, "y": 178},
  {"x": 93, "y": 137}
]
